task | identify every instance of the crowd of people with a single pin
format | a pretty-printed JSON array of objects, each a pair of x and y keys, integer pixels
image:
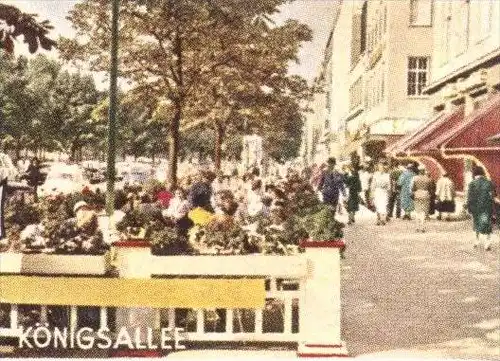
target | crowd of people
[{"x": 390, "y": 188}]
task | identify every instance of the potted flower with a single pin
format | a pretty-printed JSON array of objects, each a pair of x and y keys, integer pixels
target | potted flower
[
  {"x": 167, "y": 241},
  {"x": 321, "y": 226},
  {"x": 133, "y": 225}
]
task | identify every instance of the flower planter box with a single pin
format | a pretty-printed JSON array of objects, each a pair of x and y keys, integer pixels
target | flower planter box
[
  {"x": 334, "y": 243},
  {"x": 53, "y": 264},
  {"x": 133, "y": 258},
  {"x": 10, "y": 262}
]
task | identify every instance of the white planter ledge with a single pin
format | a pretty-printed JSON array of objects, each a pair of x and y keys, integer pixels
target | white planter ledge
[{"x": 52, "y": 264}]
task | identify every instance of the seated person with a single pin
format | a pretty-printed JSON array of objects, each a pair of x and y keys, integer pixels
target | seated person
[
  {"x": 225, "y": 211},
  {"x": 80, "y": 234},
  {"x": 179, "y": 205}
]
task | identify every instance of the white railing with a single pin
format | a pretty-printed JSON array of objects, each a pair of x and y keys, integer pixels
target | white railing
[
  {"x": 302, "y": 296},
  {"x": 283, "y": 274},
  {"x": 15, "y": 323}
]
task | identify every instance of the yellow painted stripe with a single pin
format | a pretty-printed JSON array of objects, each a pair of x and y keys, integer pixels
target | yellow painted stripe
[{"x": 116, "y": 292}]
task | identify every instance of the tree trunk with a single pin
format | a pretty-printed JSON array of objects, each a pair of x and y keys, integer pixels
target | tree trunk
[
  {"x": 18, "y": 151},
  {"x": 72, "y": 152},
  {"x": 219, "y": 138},
  {"x": 174, "y": 147}
]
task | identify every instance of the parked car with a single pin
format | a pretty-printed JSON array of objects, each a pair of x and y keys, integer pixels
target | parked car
[
  {"x": 62, "y": 178},
  {"x": 138, "y": 174}
]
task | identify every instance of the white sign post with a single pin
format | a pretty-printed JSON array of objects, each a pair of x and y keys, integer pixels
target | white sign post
[{"x": 252, "y": 151}]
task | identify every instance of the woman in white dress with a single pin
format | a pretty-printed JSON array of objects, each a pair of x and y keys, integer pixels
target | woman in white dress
[{"x": 380, "y": 186}]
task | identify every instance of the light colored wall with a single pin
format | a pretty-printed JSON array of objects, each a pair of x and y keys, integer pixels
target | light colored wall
[
  {"x": 481, "y": 41},
  {"x": 341, "y": 63},
  {"x": 403, "y": 41}
]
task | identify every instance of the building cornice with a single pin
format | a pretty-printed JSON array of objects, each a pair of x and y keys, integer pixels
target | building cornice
[{"x": 461, "y": 72}]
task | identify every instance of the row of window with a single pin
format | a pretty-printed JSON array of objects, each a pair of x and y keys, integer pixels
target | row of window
[
  {"x": 375, "y": 86},
  {"x": 356, "y": 94},
  {"x": 377, "y": 29},
  {"x": 464, "y": 23}
]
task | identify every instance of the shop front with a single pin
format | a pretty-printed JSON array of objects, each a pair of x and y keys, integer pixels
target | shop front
[
  {"x": 471, "y": 139},
  {"x": 423, "y": 146},
  {"x": 453, "y": 143}
]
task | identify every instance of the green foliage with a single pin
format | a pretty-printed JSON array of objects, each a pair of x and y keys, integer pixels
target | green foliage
[
  {"x": 45, "y": 108},
  {"x": 35, "y": 33},
  {"x": 54, "y": 211},
  {"x": 322, "y": 226},
  {"x": 19, "y": 213},
  {"x": 93, "y": 199},
  {"x": 210, "y": 63},
  {"x": 68, "y": 239},
  {"x": 168, "y": 241},
  {"x": 152, "y": 187},
  {"x": 133, "y": 222},
  {"x": 232, "y": 240}
]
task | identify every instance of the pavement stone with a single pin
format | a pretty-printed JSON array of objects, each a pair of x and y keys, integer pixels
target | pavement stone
[{"x": 429, "y": 293}]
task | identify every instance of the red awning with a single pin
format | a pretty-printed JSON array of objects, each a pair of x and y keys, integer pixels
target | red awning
[
  {"x": 400, "y": 146},
  {"x": 430, "y": 141},
  {"x": 407, "y": 145},
  {"x": 471, "y": 138},
  {"x": 476, "y": 129},
  {"x": 424, "y": 142}
]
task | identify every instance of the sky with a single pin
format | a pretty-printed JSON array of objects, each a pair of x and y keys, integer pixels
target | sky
[{"x": 317, "y": 14}]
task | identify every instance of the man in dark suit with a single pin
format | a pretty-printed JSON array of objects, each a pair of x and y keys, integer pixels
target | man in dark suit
[{"x": 332, "y": 184}]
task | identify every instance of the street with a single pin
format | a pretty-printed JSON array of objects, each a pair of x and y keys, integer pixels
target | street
[{"x": 433, "y": 293}]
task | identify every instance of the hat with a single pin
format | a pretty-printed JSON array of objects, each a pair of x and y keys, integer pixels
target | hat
[{"x": 79, "y": 205}]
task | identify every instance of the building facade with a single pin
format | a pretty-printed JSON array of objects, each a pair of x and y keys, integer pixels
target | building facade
[
  {"x": 320, "y": 132},
  {"x": 377, "y": 63},
  {"x": 464, "y": 91},
  {"x": 391, "y": 49}
]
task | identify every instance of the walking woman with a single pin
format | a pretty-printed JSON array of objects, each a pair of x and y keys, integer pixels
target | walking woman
[
  {"x": 480, "y": 203},
  {"x": 353, "y": 182},
  {"x": 404, "y": 182},
  {"x": 380, "y": 187},
  {"x": 445, "y": 196},
  {"x": 422, "y": 190}
]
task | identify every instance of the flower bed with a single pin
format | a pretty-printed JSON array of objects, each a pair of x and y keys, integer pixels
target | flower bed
[
  {"x": 52, "y": 226},
  {"x": 278, "y": 232}
]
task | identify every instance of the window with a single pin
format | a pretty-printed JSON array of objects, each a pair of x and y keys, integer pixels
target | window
[
  {"x": 459, "y": 27},
  {"x": 420, "y": 12},
  {"x": 355, "y": 39},
  {"x": 464, "y": 26},
  {"x": 446, "y": 34},
  {"x": 355, "y": 95},
  {"x": 363, "y": 27},
  {"x": 418, "y": 68}
]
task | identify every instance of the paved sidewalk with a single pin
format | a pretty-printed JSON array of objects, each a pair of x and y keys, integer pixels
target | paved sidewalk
[
  {"x": 428, "y": 296},
  {"x": 433, "y": 293}
]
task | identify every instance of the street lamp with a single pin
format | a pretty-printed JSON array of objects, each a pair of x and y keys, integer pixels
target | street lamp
[{"x": 110, "y": 185}]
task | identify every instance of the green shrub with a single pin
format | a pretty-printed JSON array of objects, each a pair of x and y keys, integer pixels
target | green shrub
[{"x": 322, "y": 225}]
